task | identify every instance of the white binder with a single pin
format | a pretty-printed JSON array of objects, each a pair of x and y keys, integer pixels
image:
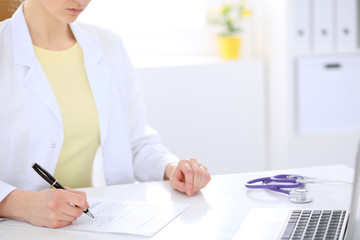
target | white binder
[
  {"x": 324, "y": 25},
  {"x": 300, "y": 31},
  {"x": 346, "y": 25}
]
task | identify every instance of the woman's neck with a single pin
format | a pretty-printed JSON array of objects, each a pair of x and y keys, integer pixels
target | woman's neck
[{"x": 45, "y": 30}]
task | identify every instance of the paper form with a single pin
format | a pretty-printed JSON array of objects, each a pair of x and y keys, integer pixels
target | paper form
[{"x": 111, "y": 216}]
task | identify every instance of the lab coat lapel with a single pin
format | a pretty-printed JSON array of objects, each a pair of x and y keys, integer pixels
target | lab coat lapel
[
  {"x": 98, "y": 76},
  {"x": 24, "y": 55}
]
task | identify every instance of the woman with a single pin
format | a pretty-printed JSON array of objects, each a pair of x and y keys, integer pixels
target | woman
[{"x": 65, "y": 89}]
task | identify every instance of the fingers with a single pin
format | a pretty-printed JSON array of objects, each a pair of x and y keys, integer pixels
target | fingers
[
  {"x": 177, "y": 181},
  {"x": 67, "y": 200},
  {"x": 51, "y": 208},
  {"x": 58, "y": 211},
  {"x": 201, "y": 176},
  {"x": 80, "y": 193},
  {"x": 205, "y": 178},
  {"x": 197, "y": 177},
  {"x": 62, "y": 207},
  {"x": 188, "y": 172},
  {"x": 70, "y": 213},
  {"x": 190, "y": 176}
]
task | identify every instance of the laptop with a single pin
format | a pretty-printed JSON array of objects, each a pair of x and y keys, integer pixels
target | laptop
[{"x": 286, "y": 224}]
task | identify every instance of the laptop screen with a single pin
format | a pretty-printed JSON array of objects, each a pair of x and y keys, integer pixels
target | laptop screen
[{"x": 353, "y": 231}]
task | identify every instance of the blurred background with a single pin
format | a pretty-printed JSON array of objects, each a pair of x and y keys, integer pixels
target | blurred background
[{"x": 289, "y": 97}]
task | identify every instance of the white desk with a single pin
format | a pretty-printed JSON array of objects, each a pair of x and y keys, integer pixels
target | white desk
[{"x": 215, "y": 213}]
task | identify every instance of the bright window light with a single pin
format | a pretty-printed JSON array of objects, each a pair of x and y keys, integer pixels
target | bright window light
[{"x": 144, "y": 16}]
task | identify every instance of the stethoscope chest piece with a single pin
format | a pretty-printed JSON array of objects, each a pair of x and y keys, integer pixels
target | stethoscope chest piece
[{"x": 299, "y": 195}]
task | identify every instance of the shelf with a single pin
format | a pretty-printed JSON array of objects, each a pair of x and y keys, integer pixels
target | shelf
[{"x": 326, "y": 54}]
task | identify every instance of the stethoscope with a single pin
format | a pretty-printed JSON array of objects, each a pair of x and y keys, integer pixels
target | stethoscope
[{"x": 291, "y": 185}]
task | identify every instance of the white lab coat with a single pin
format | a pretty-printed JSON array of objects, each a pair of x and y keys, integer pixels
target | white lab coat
[{"x": 31, "y": 128}]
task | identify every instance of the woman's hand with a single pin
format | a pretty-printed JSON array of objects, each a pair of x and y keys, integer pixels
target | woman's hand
[
  {"x": 53, "y": 208},
  {"x": 188, "y": 176}
]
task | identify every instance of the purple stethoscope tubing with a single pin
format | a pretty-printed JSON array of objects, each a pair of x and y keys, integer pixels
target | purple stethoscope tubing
[{"x": 291, "y": 181}]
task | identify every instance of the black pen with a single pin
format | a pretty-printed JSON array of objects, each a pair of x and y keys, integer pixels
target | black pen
[{"x": 52, "y": 181}]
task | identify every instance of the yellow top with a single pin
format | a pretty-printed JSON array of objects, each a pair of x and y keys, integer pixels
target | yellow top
[{"x": 67, "y": 76}]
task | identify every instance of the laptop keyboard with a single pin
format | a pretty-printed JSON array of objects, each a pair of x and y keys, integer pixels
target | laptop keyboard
[{"x": 314, "y": 224}]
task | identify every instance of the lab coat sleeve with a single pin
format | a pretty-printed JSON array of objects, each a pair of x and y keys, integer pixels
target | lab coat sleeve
[
  {"x": 150, "y": 157},
  {"x": 5, "y": 189}
]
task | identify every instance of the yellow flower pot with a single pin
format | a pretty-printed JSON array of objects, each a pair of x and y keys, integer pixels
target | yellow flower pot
[{"x": 230, "y": 46}]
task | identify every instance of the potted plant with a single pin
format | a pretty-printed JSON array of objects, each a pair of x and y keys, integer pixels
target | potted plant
[{"x": 229, "y": 17}]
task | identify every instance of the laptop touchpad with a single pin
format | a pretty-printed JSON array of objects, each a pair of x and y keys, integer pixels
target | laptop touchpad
[{"x": 263, "y": 223}]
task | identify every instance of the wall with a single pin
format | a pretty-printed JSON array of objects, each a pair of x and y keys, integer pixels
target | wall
[
  {"x": 288, "y": 148},
  {"x": 284, "y": 146},
  {"x": 212, "y": 111}
]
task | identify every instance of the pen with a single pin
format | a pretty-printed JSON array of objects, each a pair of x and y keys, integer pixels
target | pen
[{"x": 52, "y": 181}]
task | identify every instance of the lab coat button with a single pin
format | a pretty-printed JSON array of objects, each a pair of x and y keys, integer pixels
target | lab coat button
[{"x": 53, "y": 145}]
